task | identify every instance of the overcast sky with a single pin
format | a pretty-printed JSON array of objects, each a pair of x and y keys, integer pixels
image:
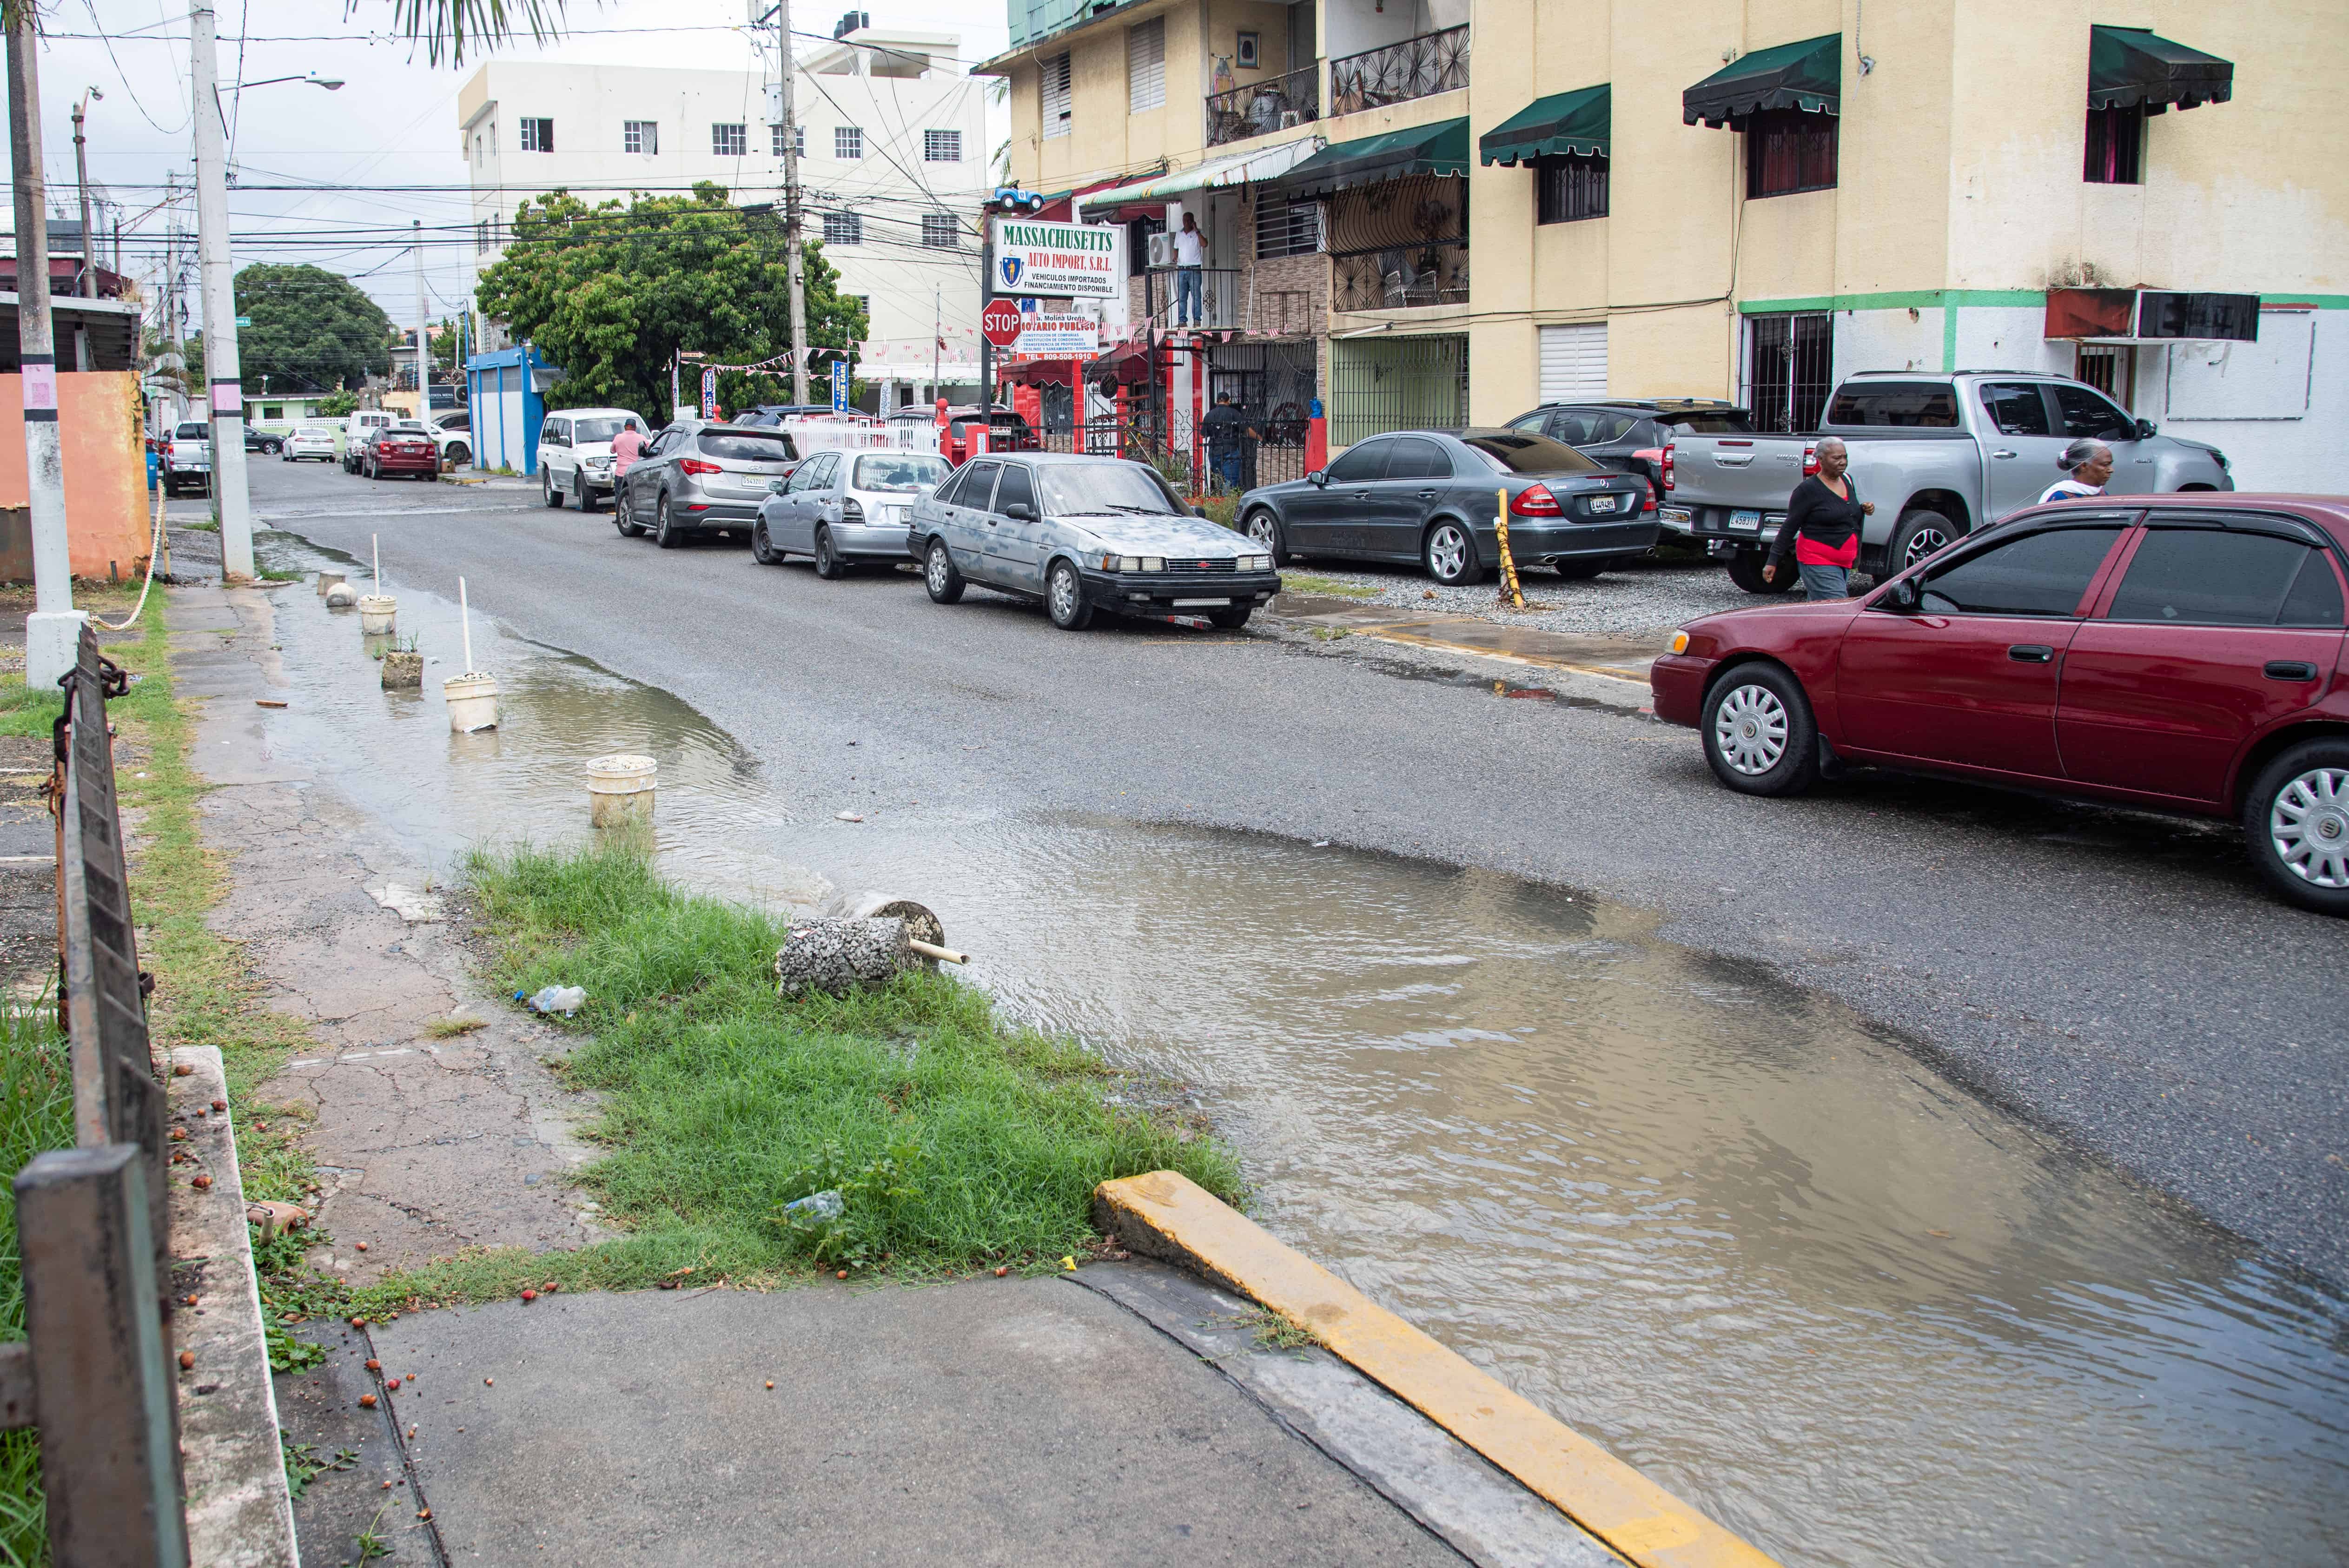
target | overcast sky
[{"x": 393, "y": 124}]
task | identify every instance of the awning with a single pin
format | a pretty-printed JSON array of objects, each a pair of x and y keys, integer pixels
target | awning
[
  {"x": 1246, "y": 168},
  {"x": 1804, "y": 75},
  {"x": 1563, "y": 125},
  {"x": 2131, "y": 65},
  {"x": 1438, "y": 149}
]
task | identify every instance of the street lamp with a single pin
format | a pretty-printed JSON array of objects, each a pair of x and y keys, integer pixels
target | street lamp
[
  {"x": 332, "y": 84},
  {"x": 81, "y": 172}
]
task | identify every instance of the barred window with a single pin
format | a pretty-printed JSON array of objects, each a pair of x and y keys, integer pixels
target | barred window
[
  {"x": 1285, "y": 228},
  {"x": 729, "y": 138},
  {"x": 1789, "y": 150},
  {"x": 942, "y": 147},
  {"x": 640, "y": 136},
  {"x": 940, "y": 231},
  {"x": 847, "y": 142},
  {"x": 1056, "y": 95},
  {"x": 538, "y": 136},
  {"x": 844, "y": 228},
  {"x": 481, "y": 236},
  {"x": 1567, "y": 189},
  {"x": 798, "y": 139}
]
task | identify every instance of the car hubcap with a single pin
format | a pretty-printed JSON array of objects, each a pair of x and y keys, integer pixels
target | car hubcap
[
  {"x": 1921, "y": 543},
  {"x": 1750, "y": 728},
  {"x": 1448, "y": 552},
  {"x": 2309, "y": 824},
  {"x": 937, "y": 568},
  {"x": 1260, "y": 529},
  {"x": 1064, "y": 593}
]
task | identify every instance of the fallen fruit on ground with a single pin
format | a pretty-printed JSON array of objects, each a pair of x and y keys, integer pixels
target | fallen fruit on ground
[
  {"x": 361, "y": 1246},
  {"x": 1001, "y": 1272},
  {"x": 771, "y": 1382},
  {"x": 367, "y": 1402},
  {"x": 486, "y": 1383},
  {"x": 200, "y": 1183},
  {"x": 186, "y": 1360},
  {"x": 530, "y": 1295},
  {"x": 373, "y": 1365},
  {"x": 391, "y": 1383},
  {"x": 182, "y": 1069}
]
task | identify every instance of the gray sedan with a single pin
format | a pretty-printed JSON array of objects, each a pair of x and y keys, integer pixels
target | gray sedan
[
  {"x": 700, "y": 477},
  {"x": 1431, "y": 496},
  {"x": 1085, "y": 534},
  {"x": 842, "y": 507}
]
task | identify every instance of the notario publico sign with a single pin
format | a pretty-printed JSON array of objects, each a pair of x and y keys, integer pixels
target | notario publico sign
[{"x": 1058, "y": 260}]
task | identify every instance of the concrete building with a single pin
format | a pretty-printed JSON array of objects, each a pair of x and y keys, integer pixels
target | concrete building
[
  {"x": 894, "y": 166},
  {"x": 1745, "y": 201}
]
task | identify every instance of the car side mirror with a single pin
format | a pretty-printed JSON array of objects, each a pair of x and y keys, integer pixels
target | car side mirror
[
  {"x": 1020, "y": 512},
  {"x": 1906, "y": 597},
  {"x": 1199, "y": 512},
  {"x": 1318, "y": 477},
  {"x": 775, "y": 487},
  {"x": 2146, "y": 430}
]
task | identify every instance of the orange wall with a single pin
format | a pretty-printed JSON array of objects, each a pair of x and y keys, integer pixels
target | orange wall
[{"x": 108, "y": 525}]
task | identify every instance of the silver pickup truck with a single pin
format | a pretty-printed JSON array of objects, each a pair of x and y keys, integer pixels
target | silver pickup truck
[{"x": 1940, "y": 456}]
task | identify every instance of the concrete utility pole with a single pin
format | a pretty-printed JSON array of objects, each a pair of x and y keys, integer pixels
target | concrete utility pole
[
  {"x": 786, "y": 70},
  {"x": 423, "y": 331},
  {"x": 232, "y": 503},
  {"x": 81, "y": 172},
  {"x": 53, "y": 631}
]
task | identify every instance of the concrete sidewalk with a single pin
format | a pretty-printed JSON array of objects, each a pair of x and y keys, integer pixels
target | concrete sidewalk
[{"x": 1610, "y": 667}]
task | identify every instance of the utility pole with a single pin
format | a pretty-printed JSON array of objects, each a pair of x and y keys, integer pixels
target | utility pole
[
  {"x": 232, "y": 503},
  {"x": 53, "y": 631},
  {"x": 81, "y": 170},
  {"x": 786, "y": 70},
  {"x": 423, "y": 332}
]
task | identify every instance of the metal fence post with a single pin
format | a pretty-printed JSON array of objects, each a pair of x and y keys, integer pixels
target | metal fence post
[{"x": 109, "y": 1444}]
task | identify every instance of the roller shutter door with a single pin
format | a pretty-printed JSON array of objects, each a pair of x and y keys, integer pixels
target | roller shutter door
[{"x": 1573, "y": 363}]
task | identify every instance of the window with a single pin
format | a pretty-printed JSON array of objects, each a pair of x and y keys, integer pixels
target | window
[
  {"x": 899, "y": 471},
  {"x": 1567, "y": 189},
  {"x": 2041, "y": 573},
  {"x": 554, "y": 433},
  {"x": 640, "y": 136},
  {"x": 1520, "y": 453},
  {"x": 1016, "y": 486},
  {"x": 1137, "y": 245},
  {"x": 477, "y": 150},
  {"x": 2214, "y": 577},
  {"x": 847, "y": 142},
  {"x": 1079, "y": 490},
  {"x": 1786, "y": 361},
  {"x": 1285, "y": 228},
  {"x": 1789, "y": 149},
  {"x": 1911, "y": 405},
  {"x": 1146, "y": 65},
  {"x": 481, "y": 236},
  {"x": 2085, "y": 414},
  {"x": 1417, "y": 457},
  {"x": 776, "y": 140},
  {"x": 942, "y": 147},
  {"x": 864, "y": 306},
  {"x": 538, "y": 136},
  {"x": 2110, "y": 369},
  {"x": 844, "y": 228},
  {"x": 940, "y": 231},
  {"x": 2116, "y": 152},
  {"x": 1589, "y": 427},
  {"x": 747, "y": 445},
  {"x": 1056, "y": 95},
  {"x": 2016, "y": 409},
  {"x": 1357, "y": 465},
  {"x": 977, "y": 491},
  {"x": 729, "y": 138},
  {"x": 1530, "y": 423}
]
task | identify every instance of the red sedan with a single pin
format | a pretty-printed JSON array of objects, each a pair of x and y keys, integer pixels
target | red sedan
[
  {"x": 398, "y": 451},
  {"x": 2183, "y": 653}
]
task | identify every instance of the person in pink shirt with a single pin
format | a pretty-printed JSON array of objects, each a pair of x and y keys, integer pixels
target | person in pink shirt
[{"x": 626, "y": 447}]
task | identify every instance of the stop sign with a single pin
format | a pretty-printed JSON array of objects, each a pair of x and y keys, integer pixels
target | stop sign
[{"x": 1000, "y": 321}]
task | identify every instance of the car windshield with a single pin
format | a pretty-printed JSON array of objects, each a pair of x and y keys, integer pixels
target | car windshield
[
  {"x": 1708, "y": 424},
  {"x": 323, "y": 433},
  {"x": 190, "y": 432},
  {"x": 1522, "y": 452},
  {"x": 585, "y": 430},
  {"x": 1075, "y": 490},
  {"x": 747, "y": 445},
  {"x": 898, "y": 471}
]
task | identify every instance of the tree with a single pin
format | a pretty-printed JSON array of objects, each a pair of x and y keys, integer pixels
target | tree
[
  {"x": 612, "y": 294},
  {"x": 310, "y": 327},
  {"x": 337, "y": 405}
]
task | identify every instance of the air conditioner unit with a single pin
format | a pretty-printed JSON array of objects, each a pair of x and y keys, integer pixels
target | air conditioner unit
[{"x": 1162, "y": 250}]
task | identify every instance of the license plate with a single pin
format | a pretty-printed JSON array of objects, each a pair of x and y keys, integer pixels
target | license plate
[
  {"x": 1198, "y": 604},
  {"x": 1747, "y": 522},
  {"x": 1602, "y": 503}
]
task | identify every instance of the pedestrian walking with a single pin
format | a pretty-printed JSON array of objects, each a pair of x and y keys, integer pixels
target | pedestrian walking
[
  {"x": 1225, "y": 427},
  {"x": 1190, "y": 256},
  {"x": 2090, "y": 462},
  {"x": 1822, "y": 528}
]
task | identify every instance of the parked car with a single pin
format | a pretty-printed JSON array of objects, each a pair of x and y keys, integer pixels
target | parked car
[
  {"x": 575, "y": 454},
  {"x": 1940, "y": 456},
  {"x": 187, "y": 458},
  {"x": 843, "y": 507},
  {"x": 455, "y": 443},
  {"x": 309, "y": 442},
  {"x": 1431, "y": 496},
  {"x": 358, "y": 427},
  {"x": 1084, "y": 534},
  {"x": 1629, "y": 434},
  {"x": 402, "y": 450},
  {"x": 2182, "y": 653},
  {"x": 257, "y": 440},
  {"x": 776, "y": 413},
  {"x": 701, "y": 477},
  {"x": 1008, "y": 431}
]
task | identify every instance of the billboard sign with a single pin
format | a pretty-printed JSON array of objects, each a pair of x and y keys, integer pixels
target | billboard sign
[{"x": 1058, "y": 260}]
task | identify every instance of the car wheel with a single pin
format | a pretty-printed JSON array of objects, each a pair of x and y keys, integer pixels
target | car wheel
[
  {"x": 1264, "y": 530},
  {"x": 582, "y": 494},
  {"x": 2296, "y": 821},
  {"x": 1746, "y": 571},
  {"x": 665, "y": 534},
  {"x": 1065, "y": 598},
  {"x": 1921, "y": 533},
  {"x": 375, "y": 473},
  {"x": 1758, "y": 731},
  {"x": 1582, "y": 571},
  {"x": 1233, "y": 619},
  {"x": 762, "y": 549},
  {"x": 461, "y": 454},
  {"x": 828, "y": 564},
  {"x": 939, "y": 573},
  {"x": 547, "y": 490},
  {"x": 1449, "y": 554},
  {"x": 624, "y": 520}
]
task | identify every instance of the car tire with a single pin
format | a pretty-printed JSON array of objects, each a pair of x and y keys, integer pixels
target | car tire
[
  {"x": 939, "y": 575},
  {"x": 583, "y": 495},
  {"x": 1449, "y": 554},
  {"x": 1759, "y": 735},
  {"x": 461, "y": 454},
  {"x": 625, "y": 522},
  {"x": 1233, "y": 619},
  {"x": 1064, "y": 597},
  {"x": 2296, "y": 824},
  {"x": 547, "y": 490},
  {"x": 762, "y": 549},
  {"x": 1582, "y": 571},
  {"x": 1264, "y": 527},
  {"x": 664, "y": 532},
  {"x": 828, "y": 564},
  {"x": 1921, "y": 533},
  {"x": 1746, "y": 571}
]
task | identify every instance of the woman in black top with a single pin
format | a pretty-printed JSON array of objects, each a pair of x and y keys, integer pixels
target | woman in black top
[{"x": 1822, "y": 527}]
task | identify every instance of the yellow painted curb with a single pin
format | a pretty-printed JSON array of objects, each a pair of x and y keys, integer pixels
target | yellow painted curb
[{"x": 1165, "y": 1215}]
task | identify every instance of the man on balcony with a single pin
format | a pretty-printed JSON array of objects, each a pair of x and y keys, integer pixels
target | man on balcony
[{"x": 1190, "y": 257}]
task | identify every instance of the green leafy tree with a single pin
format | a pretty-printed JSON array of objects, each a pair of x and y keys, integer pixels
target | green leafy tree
[
  {"x": 310, "y": 327},
  {"x": 337, "y": 405},
  {"x": 612, "y": 294}
]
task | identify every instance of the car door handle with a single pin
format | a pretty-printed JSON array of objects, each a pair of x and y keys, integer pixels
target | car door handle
[
  {"x": 2031, "y": 654},
  {"x": 2289, "y": 670},
  {"x": 1427, "y": 495}
]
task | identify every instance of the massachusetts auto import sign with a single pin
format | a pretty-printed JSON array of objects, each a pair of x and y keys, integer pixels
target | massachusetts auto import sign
[{"x": 1058, "y": 260}]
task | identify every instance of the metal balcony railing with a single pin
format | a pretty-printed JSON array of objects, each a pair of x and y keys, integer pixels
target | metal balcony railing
[
  {"x": 1274, "y": 104},
  {"x": 1397, "y": 73},
  {"x": 1401, "y": 277}
]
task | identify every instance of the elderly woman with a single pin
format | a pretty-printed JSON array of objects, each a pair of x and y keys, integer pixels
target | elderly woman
[
  {"x": 1822, "y": 527},
  {"x": 2090, "y": 462}
]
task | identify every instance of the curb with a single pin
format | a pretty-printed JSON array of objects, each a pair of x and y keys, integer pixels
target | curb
[{"x": 1165, "y": 1215}]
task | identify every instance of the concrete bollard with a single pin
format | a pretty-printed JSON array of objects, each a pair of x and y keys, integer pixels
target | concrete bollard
[
  {"x": 342, "y": 595},
  {"x": 377, "y": 613},
  {"x": 326, "y": 580},
  {"x": 472, "y": 702},
  {"x": 839, "y": 955},
  {"x": 620, "y": 788}
]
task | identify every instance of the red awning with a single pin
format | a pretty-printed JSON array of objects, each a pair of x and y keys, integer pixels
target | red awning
[{"x": 1128, "y": 362}]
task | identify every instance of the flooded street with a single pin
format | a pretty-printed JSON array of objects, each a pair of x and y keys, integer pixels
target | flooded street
[{"x": 1753, "y": 1244}]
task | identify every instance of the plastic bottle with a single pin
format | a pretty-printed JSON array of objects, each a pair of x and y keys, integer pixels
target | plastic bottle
[
  {"x": 816, "y": 1208},
  {"x": 564, "y": 999}
]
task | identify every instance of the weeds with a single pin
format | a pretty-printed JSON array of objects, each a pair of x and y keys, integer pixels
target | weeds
[
  {"x": 449, "y": 1028},
  {"x": 35, "y": 1115},
  {"x": 1278, "y": 1331},
  {"x": 1306, "y": 583},
  {"x": 303, "y": 1466},
  {"x": 370, "y": 1544}
]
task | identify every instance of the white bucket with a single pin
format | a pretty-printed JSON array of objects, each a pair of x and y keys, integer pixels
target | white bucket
[
  {"x": 327, "y": 580},
  {"x": 377, "y": 612},
  {"x": 341, "y": 596},
  {"x": 472, "y": 702},
  {"x": 620, "y": 788}
]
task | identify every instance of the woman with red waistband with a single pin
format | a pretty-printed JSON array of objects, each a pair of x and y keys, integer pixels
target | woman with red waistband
[{"x": 1822, "y": 527}]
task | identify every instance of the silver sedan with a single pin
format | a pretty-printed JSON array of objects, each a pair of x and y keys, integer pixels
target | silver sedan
[{"x": 841, "y": 507}]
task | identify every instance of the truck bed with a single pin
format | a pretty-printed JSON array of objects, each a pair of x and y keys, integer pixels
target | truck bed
[{"x": 1734, "y": 489}]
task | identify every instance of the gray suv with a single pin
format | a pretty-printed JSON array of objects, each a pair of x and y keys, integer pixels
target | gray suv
[{"x": 701, "y": 477}]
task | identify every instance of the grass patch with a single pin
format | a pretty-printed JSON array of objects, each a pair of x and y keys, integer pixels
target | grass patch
[
  {"x": 205, "y": 527},
  {"x": 35, "y": 1115},
  {"x": 1222, "y": 509},
  {"x": 1276, "y": 1331},
  {"x": 1306, "y": 583},
  {"x": 450, "y": 1027}
]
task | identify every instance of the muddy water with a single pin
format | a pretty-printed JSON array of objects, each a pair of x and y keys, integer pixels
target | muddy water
[{"x": 1757, "y": 1248}]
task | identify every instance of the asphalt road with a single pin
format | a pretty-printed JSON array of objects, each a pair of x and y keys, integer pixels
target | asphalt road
[{"x": 2122, "y": 978}]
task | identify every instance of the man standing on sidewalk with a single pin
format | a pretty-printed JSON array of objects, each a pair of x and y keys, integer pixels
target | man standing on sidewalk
[
  {"x": 1225, "y": 426},
  {"x": 1190, "y": 256}
]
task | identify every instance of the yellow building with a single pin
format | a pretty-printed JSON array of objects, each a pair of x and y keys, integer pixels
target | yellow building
[{"x": 1703, "y": 199}]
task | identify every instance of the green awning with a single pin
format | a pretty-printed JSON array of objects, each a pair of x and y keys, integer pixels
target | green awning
[
  {"x": 1563, "y": 125},
  {"x": 1438, "y": 149},
  {"x": 1804, "y": 75},
  {"x": 2132, "y": 66}
]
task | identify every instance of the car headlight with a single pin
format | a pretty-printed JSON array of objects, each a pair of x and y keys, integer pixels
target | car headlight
[{"x": 1255, "y": 562}]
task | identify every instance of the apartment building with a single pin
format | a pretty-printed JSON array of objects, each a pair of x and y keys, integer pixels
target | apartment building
[
  {"x": 895, "y": 165},
  {"x": 1745, "y": 199}
]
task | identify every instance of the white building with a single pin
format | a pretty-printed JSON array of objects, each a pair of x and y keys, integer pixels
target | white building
[{"x": 895, "y": 165}]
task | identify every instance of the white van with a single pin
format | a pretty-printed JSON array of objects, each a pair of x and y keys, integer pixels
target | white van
[
  {"x": 574, "y": 453},
  {"x": 362, "y": 423}
]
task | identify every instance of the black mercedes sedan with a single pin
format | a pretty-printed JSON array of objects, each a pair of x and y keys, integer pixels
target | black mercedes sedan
[{"x": 1433, "y": 495}]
